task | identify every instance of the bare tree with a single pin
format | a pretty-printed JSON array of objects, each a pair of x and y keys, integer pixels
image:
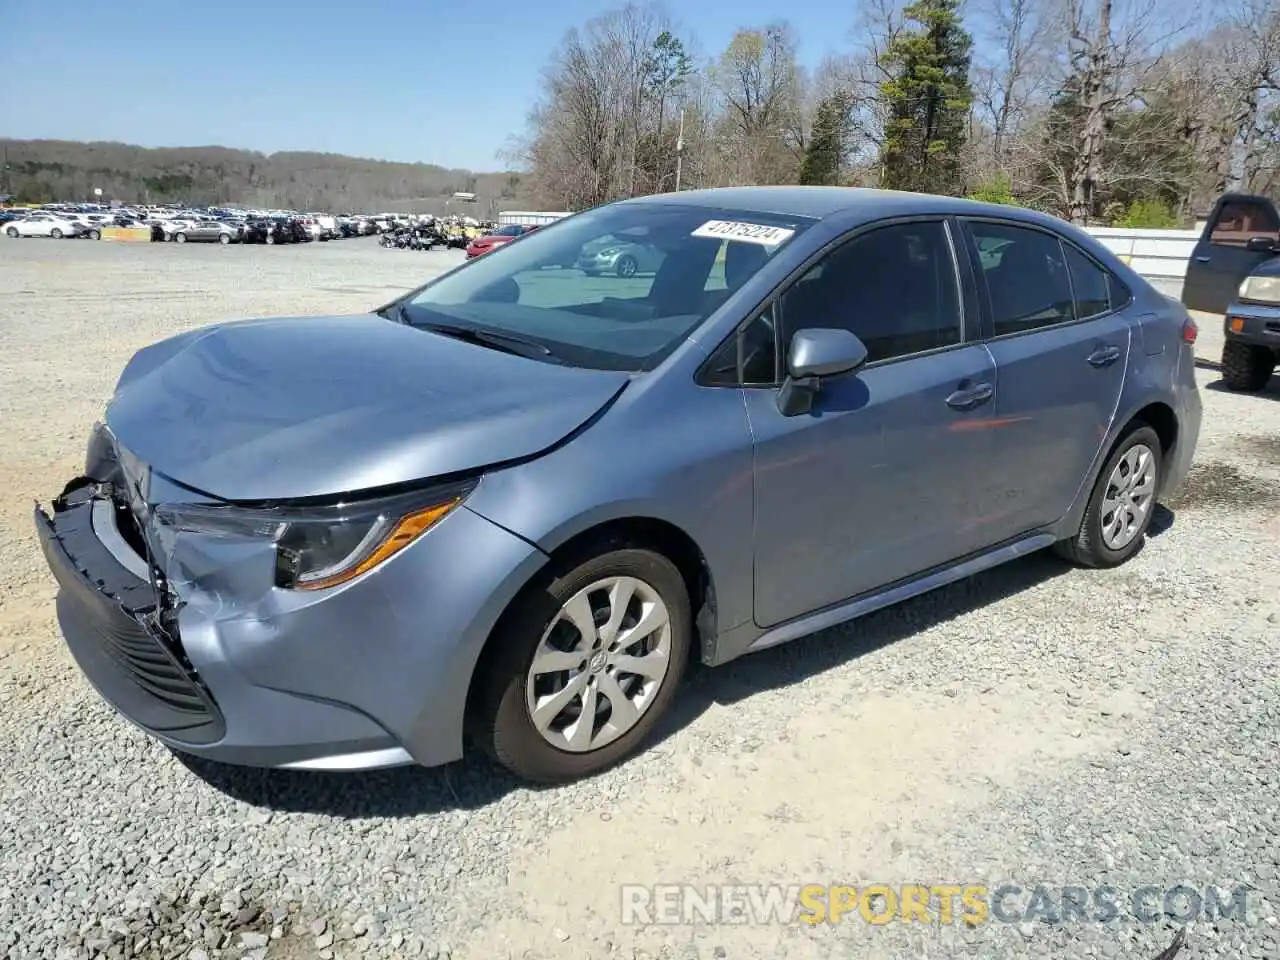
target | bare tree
[
  {"x": 1011, "y": 77},
  {"x": 761, "y": 92}
]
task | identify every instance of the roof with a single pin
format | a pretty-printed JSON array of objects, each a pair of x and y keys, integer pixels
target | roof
[{"x": 820, "y": 202}]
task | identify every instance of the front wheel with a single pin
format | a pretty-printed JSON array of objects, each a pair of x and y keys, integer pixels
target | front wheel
[
  {"x": 1246, "y": 367},
  {"x": 55, "y": 233},
  {"x": 1121, "y": 504},
  {"x": 585, "y": 665},
  {"x": 95, "y": 235},
  {"x": 179, "y": 238},
  {"x": 627, "y": 266},
  {"x": 13, "y": 233},
  {"x": 224, "y": 238}
]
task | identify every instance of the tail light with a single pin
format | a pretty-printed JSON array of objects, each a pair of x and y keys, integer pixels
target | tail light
[{"x": 1189, "y": 331}]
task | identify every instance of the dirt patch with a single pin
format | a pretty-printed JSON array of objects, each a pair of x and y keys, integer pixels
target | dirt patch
[
  {"x": 1217, "y": 484},
  {"x": 1266, "y": 448},
  {"x": 894, "y": 772}
]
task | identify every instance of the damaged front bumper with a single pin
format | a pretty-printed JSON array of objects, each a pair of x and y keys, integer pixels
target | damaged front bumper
[{"x": 129, "y": 638}]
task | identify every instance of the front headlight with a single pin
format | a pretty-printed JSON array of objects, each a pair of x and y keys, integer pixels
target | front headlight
[
  {"x": 321, "y": 547},
  {"x": 1261, "y": 289}
]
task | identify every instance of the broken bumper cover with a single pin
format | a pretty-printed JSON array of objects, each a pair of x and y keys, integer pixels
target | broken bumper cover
[{"x": 353, "y": 680}]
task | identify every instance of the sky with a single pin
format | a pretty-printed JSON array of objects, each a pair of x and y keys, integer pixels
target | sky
[{"x": 429, "y": 81}]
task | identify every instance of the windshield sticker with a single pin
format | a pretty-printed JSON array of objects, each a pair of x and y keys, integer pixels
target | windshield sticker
[{"x": 746, "y": 232}]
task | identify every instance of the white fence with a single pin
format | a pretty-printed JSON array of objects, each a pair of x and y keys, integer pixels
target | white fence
[{"x": 1160, "y": 256}]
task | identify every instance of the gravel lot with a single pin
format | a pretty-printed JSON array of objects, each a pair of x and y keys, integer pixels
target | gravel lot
[{"x": 1037, "y": 724}]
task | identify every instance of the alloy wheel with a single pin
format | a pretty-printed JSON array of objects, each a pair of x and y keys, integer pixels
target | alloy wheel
[
  {"x": 599, "y": 665},
  {"x": 1130, "y": 493}
]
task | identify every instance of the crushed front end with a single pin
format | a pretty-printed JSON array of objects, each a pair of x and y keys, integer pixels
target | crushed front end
[
  {"x": 326, "y": 636},
  {"x": 115, "y": 607}
]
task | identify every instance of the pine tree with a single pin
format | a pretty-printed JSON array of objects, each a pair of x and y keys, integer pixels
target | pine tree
[
  {"x": 825, "y": 154},
  {"x": 927, "y": 99}
]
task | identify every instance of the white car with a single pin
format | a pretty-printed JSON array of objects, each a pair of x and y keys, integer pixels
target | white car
[{"x": 44, "y": 225}]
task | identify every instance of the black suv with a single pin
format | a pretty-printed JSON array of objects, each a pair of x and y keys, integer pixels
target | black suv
[{"x": 1235, "y": 270}]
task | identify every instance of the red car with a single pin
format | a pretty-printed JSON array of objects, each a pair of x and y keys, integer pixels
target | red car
[{"x": 496, "y": 239}]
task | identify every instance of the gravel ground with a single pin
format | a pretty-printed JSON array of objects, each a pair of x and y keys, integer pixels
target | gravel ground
[{"x": 1035, "y": 725}]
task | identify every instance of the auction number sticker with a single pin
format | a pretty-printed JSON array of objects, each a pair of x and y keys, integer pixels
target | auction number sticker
[{"x": 747, "y": 232}]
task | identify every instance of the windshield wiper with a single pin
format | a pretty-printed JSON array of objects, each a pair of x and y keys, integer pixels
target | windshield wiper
[{"x": 506, "y": 342}]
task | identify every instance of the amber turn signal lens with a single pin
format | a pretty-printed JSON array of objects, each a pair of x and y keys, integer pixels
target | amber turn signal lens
[
  {"x": 408, "y": 529},
  {"x": 1237, "y": 325}
]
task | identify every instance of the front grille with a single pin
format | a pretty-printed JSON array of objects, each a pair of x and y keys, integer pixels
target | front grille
[{"x": 109, "y": 618}]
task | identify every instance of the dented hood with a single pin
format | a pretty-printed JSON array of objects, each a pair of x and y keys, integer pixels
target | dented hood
[{"x": 310, "y": 407}]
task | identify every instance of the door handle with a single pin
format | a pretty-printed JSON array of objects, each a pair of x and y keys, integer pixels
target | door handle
[
  {"x": 1104, "y": 356},
  {"x": 969, "y": 397},
  {"x": 1202, "y": 259}
]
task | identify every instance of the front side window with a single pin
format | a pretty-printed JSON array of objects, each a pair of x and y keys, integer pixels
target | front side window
[
  {"x": 894, "y": 287},
  {"x": 1239, "y": 221},
  {"x": 1026, "y": 276},
  {"x": 618, "y": 287}
]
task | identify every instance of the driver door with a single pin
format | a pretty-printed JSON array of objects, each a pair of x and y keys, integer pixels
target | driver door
[{"x": 1221, "y": 258}]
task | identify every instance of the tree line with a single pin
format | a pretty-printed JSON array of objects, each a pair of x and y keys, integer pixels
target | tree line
[
  {"x": 42, "y": 171},
  {"x": 1135, "y": 112}
]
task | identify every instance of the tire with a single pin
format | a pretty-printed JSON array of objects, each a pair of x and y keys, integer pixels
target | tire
[
  {"x": 224, "y": 238},
  {"x": 270, "y": 240},
  {"x": 95, "y": 235},
  {"x": 1092, "y": 546},
  {"x": 626, "y": 266},
  {"x": 537, "y": 624},
  {"x": 13, "y": 233},
  {"x": 56, "y": 233},
  {"x": 1246, "y": 367},
  {"x": 179, "y": 238}
]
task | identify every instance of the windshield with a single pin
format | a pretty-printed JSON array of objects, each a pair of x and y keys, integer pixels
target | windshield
[{"x": 616, "y": 288}]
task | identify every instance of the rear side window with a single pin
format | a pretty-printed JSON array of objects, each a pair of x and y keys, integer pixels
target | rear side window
[
  {"x": 1026, "y": 276},
  {"x": 1239, "y": 221},
  {"x": 1089, "y": 281}
]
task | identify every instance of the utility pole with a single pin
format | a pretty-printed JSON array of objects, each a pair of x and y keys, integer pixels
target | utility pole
[{"x": 680, "y": 149}]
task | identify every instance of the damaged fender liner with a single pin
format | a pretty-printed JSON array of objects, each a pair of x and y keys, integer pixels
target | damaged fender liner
[{"x": 110, "y": 620}]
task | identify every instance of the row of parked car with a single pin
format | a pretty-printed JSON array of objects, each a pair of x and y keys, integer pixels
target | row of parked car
[{"x": 206, "y": 226}]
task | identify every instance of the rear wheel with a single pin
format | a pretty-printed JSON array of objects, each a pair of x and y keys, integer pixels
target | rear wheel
[
  {"x": 1245, "y": 366},
  {"x": 13, "y": 233},
  {"x": 95, "y": 235},
  {"x": 1121, "y": 504},
  {"x": 585, "y": 665},
  {"x": 180, "y": 238},
  {"x": 55, "y": 233},
  {"x": 224, "y": 238}
]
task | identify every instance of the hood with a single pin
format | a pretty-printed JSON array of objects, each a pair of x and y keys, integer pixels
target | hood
[
  {"x": 311, "y": 407},
  {"x": 1267, "y": 268}
]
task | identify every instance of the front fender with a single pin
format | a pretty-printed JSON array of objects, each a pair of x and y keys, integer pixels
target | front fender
[{"x": 690, "y": 467}]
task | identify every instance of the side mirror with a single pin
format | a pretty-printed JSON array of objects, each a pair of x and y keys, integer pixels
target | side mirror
[
  {"x": 1261, "y": 245},
  {"x": 816, "y": 354}
]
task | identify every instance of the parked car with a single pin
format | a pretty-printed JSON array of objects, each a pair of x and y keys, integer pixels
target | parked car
[
  {"x": 52, "y": 225},
  {"x": 619, "y": 257},
  {"x": 498, "y": 238},
  {"x": 207, "y": 231},
  {"x": 510, "y": 506},
  {"x": 1235, "y": 271}
]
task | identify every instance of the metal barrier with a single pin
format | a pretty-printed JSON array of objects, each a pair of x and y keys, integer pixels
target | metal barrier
[
  {"x": 1160, "y": 256},
  {"x": 127, "y": 234}
]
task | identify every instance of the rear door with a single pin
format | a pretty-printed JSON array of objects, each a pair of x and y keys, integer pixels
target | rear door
[
  {"x": 1221, "y": 258},
  {"x": 1061, "y": 341}
]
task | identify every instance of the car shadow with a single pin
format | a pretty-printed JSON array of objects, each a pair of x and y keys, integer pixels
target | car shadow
[
  {"x": 1270, "y": 392},
  {"x": 476, "y": 781}
]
